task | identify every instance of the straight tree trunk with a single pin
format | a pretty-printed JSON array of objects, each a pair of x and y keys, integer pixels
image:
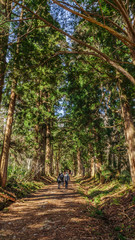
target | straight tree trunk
[
  {"x": 74, "y": 164},
  {"x": 93, "y": 167},
  {"x": 129, "y": 130},
  {"x": 36, "y": 168},
  {"x": 79, "y": 167},
  {"x": 38, "y": 165},
  {"x": 43, "y": 149},
  {"x": 8, "y": 129},
  {"x": 57, "y": 163},
  {"x": 48, "y": 149},
  {"x": 130, "y": 137},
  {"x": 51, "y": 161},
  {"x": 5, "y": 7},
  {"x": 88, "y": 167},
  {"x": 7, "y": 136}
]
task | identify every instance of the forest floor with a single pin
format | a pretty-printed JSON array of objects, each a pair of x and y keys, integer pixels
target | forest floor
[{"x": 53, "y": 214}]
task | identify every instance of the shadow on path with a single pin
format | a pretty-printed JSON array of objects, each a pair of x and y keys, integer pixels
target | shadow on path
[{"x": 52, "y": 214}]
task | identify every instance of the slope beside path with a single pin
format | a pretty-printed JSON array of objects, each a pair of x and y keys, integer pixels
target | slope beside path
[{"x": 52, "y": 214}]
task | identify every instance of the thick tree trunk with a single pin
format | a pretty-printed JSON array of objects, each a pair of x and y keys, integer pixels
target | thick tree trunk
[
  {"x": 7, "y": 136},
  {"x": 93, "y": 167},
  {"x": 40, "y": 134},
  {"x": 129, "y": 130},
  {"x": 130, "y": 136},
  {"x": 3, "y": 51},
  {"x": 8, "y": 129},
  {"x": 5, "y": 7}
]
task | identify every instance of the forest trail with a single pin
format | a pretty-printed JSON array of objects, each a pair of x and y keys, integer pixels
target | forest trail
[{"x": 53, "y": 214}]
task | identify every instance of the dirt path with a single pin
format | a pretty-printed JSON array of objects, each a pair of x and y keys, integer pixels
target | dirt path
[{"x": 52, "y": 214}]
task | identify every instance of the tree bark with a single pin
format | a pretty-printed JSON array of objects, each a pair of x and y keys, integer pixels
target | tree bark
[
  {"x": 43, "y": 149},
  {"x": 8, "y": 129},
  {"x": 129, "y": 135},
  {"x": 74, "y": 164},
  {"x": 7, "y": 136},
  {"x": 48, "y": 149},
  {"x": 37, "y": 168},
  {"x": 93, "y": 167},
  {"x": 79, "y": 167},
  {"x": 57, "y": 162},
  {"x": 5, "y": 7},
  {"x": 51, "y": 160}
]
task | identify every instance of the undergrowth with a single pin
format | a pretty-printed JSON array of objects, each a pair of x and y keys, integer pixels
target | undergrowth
[
  {"x": 19, "y": 185},
  {"x": 97, "y": 193},
  {"x": 113, "y": 202},
  {"x": 22, "y": 189}
]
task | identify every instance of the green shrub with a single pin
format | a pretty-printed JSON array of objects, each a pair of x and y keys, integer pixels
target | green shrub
[
  {"x": 107, "y": 173},
  {"x": 124, "y": 177},
  {"x": 16, "y": 172}
]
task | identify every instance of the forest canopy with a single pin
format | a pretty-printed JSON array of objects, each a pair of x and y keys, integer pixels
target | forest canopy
[{"x": 67, "y": 88}]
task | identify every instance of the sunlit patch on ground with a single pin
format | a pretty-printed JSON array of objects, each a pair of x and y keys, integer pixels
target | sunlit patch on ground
[
  {"x": 4, "y": 233},
  {"x": 77, "y": 219}
]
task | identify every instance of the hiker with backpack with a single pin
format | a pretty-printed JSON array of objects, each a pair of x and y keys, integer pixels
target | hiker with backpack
[
  {"x": 62, "y": 179},
  {"x": 66, "y": 179},
  {"x": 59, "y": 181}
]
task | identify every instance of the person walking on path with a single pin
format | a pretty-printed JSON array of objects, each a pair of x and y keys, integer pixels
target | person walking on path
[
  {"x": 62, "y": 179},
  {"x": 59, "y": 181},
  {"x": 66, "y": 179}
]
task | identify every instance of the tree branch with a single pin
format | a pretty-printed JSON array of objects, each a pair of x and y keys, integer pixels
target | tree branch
[{"x": 99, "y": 53}]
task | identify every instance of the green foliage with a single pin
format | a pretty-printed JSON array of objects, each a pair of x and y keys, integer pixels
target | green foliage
[
  {"x": 22, "y": 189},
  {"x": 107, "y": 172},
  {"x": 115, "y": 201},
  {"x": 77, "y": 95},
  {"x": 16, "y": 172},
  {"x": 125, "y": 177}
]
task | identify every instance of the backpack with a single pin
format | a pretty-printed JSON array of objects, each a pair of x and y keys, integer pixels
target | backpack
[
  {"x": 59, "y": 180},
  {"x": 66, "y": 177},
  {"x": 61, "y": 177}
]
